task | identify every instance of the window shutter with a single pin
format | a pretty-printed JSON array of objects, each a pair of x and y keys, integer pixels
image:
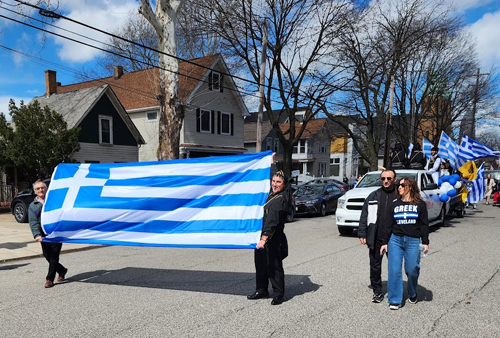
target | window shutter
[
  {"x": 210, "y": 81},
  {"x": 198, "y": 120},
  {"x": 219, "y": 122},
  {"x": 232, "y": 124},
  {"x": 213, "y": 122},
  {"x": 221, "y": 77}
]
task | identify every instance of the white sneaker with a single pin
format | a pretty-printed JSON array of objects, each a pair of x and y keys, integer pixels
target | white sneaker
[
  {"x": 394, "y": 306},
  {"x": 474, "y": 206}
]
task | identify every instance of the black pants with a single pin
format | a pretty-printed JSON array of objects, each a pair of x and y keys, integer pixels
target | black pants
[
  {"x": 51, "y": 253},
  {"x": 376, "y": 266},
  {"x": 269, "y": 267}
]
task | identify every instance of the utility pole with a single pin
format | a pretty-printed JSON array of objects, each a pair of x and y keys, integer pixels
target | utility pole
[
  {"x": 474, "y": 103},
  {"x": 262, "y": 78},
  {"x": 388, "y": 126}
]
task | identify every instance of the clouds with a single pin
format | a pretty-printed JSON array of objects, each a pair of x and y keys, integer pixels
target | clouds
[
  {"x": 487, "y": 33},
  {"x": 104, "y": 15}
]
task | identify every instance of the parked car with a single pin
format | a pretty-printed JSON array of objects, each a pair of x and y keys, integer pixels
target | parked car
[
  {"x": 339, "y": 184},
  {"x": 350, "y": 205},
  {"x": 317, "y": 198},
  {"x": 20, "y": 203}
]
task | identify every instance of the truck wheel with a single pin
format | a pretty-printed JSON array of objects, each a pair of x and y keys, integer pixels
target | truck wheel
[
  {"x": 460, "y": 212},
  {"x": 345, "y": 231}
]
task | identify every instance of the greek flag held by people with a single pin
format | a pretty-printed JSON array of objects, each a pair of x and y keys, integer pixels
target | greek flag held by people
[
  {"x": 426, "y": 148},
  {"x": 448, "y": 149},
  {"x": 212, "y": 202},
  {"x": 471, "y": 150}
]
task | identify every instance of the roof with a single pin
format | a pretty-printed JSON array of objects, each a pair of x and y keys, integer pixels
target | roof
[
  {"x": 139, "y": 89},
  {"x": 75, "y": 105}
]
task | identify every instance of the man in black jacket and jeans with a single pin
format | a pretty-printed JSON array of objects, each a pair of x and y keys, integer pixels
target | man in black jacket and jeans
[{"x": 372, "y": 225}]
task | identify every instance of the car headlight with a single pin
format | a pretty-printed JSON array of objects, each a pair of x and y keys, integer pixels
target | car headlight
[
  {"x": 341, "y": 203},
  {"x": 312, "y": 201}
]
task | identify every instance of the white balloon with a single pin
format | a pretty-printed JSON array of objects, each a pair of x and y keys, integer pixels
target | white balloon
[
  {"x": 445, "y": 187},
  {"x": 458, "y": 185}
]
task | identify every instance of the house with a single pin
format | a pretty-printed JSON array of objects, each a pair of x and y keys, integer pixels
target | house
[
  {"x": 213, "y": 108},
  {"x": 107, "y": 133}
]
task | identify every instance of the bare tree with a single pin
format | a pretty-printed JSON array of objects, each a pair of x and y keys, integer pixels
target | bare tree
[
  {"x": 417, "y": 44},
  {"x": 171, "y": 111},
  {"x": 301, "y": 38}
]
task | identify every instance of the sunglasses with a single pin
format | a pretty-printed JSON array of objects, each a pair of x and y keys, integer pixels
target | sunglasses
[
  {"x": 386, "y": 178},
  {"x": 403, "y": 185}
]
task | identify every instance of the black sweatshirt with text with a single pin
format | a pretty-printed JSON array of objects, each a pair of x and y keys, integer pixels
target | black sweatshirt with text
[{"x": 408, "y": 220}]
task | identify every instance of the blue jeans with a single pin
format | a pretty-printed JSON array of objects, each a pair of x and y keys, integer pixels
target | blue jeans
[{"x": 400, "y": 247}]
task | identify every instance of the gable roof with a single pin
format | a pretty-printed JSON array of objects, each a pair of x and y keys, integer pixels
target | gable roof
[
  {"x": 75, "y": 105},
  {"x": 139, "y": 89}
]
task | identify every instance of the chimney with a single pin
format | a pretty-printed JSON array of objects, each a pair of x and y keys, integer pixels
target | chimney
[
  {"x": 50, "y": 82},
  {"x": 118, "y": 72}
]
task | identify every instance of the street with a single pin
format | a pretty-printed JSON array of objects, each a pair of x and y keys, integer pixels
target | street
[{"x": 172, "y": 292}]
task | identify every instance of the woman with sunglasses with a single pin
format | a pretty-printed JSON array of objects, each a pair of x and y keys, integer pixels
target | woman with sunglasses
[{"x": 409, "y": 225}]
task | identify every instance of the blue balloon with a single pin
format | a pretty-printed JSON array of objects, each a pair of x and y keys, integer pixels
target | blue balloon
[
  {"x": 456, "y": 177},
  {"x": 452, "y": 181},
  {"x": 446, "y": 178},
  {"x": 444, "y": 198},
  {"x": 451, "y": 193},
  {"x": 440, "y": 181}
]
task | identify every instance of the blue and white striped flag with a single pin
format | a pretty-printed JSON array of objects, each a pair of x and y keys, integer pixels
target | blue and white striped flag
[
  {"x": 476, "y": 192},
  {"x": 410, "y": 148},
  {"x": 471, "y": 150},
  {"x": 213, "y": 202},
  {"x": 448, "y": 149},
  {"x": 426, "y": 148}
]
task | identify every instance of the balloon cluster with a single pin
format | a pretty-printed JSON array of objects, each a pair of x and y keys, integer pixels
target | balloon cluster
[{"x": 449, "y": 185}]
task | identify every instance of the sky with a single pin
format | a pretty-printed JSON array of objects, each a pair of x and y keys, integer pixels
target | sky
[{"x": 25, "y": 52}]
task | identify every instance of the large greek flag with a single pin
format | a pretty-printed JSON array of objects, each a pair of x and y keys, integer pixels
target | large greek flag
[
  {"x": 448, "y": 149},
  {"x": 214, "y": 202},
  {"x": 471, "y": 150},
  {"x": 476, "y": 193}
]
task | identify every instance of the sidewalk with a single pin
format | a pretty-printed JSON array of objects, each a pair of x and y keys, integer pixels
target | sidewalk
[{"x": 16, "y": 240}]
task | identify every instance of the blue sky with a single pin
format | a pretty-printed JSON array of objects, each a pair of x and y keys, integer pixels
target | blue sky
[{"x": 22, "y": 77}]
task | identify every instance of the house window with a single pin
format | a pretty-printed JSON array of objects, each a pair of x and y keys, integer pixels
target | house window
[
  {"x": 322, "y": 148},
  {"x": 321, "y": 169},
  {"x": 225, "y": 123},
  {"x": 276, "y": 146},
  {"x": 269, "y": 143},
  {"x": 105, "y": 129},
  {"x": 335, "y": 166},
  {"x": 204, "y": 121},
  {"x": 215, "y": 81},
  {"x": 300, "y": 148},
  {"x": 151, "y": 117}
]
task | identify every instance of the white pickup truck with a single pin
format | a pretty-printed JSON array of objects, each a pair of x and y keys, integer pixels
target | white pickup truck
[{"x": 350, "y": 205}]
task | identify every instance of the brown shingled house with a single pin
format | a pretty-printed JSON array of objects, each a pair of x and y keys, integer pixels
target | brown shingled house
[{"x": 214, "y": 109}]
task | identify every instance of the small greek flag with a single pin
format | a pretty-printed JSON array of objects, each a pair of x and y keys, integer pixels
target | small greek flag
[
  {"x": 476, "y": 193},
  {"x": 471, "y": 150},
  {"x": 410, "y": 148},
  {"x": 212, "y": 202},
  {"x": 448, "y": 149},
  {"x": 426, "y": 148}
]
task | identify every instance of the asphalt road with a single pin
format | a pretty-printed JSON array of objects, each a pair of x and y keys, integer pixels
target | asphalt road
[{"x": 171, "y": 292}]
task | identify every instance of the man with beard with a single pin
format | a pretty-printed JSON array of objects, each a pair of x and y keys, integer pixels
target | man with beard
[{"x": 375, "y": 215}]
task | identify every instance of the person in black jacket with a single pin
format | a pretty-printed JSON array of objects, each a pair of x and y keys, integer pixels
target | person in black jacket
[
  {"x": 375, "y": 214},
  {"x": 272, "y": 247},
  {"x": 409, "y": 225},
  {"x": 398, "y": 157},
  {"x": 417, "y": 158}
]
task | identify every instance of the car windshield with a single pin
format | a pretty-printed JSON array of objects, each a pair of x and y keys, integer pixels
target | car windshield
[
  {"x": 309, "y": 190},
  {"x": 373, "y": 180}
]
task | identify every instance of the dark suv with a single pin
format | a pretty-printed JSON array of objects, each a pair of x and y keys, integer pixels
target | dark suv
[{"x": 20, "y": 203}]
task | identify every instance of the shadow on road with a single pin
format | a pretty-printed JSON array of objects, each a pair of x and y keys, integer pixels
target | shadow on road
[
  {"x": 234, "y": 283},
  {"x": 12, "y": 266}
]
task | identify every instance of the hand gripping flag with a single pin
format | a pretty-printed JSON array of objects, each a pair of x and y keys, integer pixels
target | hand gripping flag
[{"x": 213, "y": 202}]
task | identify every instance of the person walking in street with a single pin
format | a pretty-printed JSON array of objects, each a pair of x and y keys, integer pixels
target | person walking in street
[
  {"x": 489, "y": 184},
  {"x": 50, "y": 251},
  {"x": 409, "y": 225},
  {"x": 272, "y": 247},
  {"x": 375, "y": 215}
]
